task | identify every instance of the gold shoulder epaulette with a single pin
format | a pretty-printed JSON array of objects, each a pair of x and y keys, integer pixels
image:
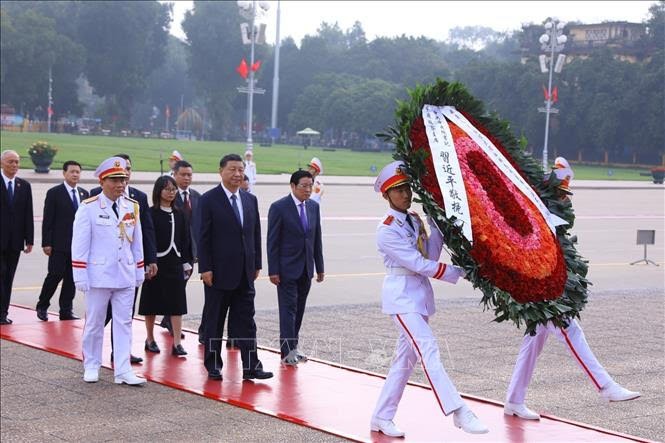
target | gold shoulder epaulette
[
  {"x": 131, "y": 199},
  {"x": 91, "y": 199},
  {"x": 388, "y": 220}
]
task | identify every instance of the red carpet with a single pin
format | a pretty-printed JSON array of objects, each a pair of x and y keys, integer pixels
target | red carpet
[{"x": 316, "y": 394}]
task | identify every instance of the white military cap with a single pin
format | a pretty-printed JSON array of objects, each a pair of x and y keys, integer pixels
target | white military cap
[
  {"x": 175, "y": 155},
  {"x": 112, "y": 167},
  {"x": 316, "y": 164},
  {"x": 391, "y": 175},
  {"x": 249, "y": 153},
  {"x": 563, "y": 172}
]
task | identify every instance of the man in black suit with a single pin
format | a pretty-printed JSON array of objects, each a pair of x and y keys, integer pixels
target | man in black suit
[
  {"x": 294, "y": 250},
  {"x": 187, "y": 200},
  {"x": 60, "y": 206},
  {"x": 16, "y": 226},
  {"x": 229, "y": 252},
  {"x": 149, "y": 242}
]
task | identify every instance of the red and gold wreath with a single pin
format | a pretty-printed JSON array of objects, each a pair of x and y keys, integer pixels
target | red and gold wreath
[{"x": 527, "y": 273}]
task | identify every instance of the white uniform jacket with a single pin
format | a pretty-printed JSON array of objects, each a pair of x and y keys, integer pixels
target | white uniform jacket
[
  {"x": 107, "y": 251},
  {"x": 406, "y": 286},
  {"x": 317, "y": 190}
]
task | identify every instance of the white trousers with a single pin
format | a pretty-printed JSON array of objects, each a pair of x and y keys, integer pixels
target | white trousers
[
  {"x": 573, "y": 338},
  {"x": 416, "y": 342},
  {"x": 96, "y": 303}
]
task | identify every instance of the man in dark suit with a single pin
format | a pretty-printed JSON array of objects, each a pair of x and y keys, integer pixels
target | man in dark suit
[
  {"x": 294, "y": 250},
  {"x": 16, "y": 226},
  {"x": 149, "y": 242},
  {"x": 229, "y": 250},
  {"x": 187, "y": 200},
  {"x": 60, "y": 206}
]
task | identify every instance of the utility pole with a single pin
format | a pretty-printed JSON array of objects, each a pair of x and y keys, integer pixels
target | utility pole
[{"x": 275, "y": 80}]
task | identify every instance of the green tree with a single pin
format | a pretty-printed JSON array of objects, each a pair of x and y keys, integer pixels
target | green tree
[{"x": 124, "y": 41}]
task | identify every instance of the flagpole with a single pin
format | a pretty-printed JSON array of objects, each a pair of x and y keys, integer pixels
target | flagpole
[
  {"x": 250, "y": 95},
  {"x": 49, "y": 110},
  {"x": 275, "y": 78}
]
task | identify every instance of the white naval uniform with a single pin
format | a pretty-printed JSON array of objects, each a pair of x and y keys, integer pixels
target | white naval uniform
[
  {"x": 408, "y": 297},
  {"x": 573, "y": 338},
  {"x": 317, "y": 190},
  {"x": 111, "y": 266},
  {"x": 250, "y": 172}
]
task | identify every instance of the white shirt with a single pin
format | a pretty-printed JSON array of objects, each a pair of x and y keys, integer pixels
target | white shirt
[
  {"x": 7, "y": 180},
  {"x": 69, "y": 192},
  {"x": 298, "y": 203},
  {"x": 238, "y": 200}
]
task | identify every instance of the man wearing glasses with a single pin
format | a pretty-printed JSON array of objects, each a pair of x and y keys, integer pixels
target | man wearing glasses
[{"x": 294, "y": 251}]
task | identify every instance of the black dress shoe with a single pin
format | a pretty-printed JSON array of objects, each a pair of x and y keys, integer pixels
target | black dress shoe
[
  {"x": 231, "y": 344},
  {"x": 202, "y": 340},
  {"x": 152, "y": 347},
  {"x": 42, "y": 314},
  {"x": 178, "y": 350},
  {"x": 6, "y": 321},
  {"x": 215, "y": 375},
  {"x": 258, "y": 374},
  {"x": 69, "y": 316},
  {"x": 134, "y": 360}
]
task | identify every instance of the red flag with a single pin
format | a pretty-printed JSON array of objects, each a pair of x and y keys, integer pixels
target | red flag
[
  {"x": 547, "y": 96},
  {"x": 256, "y": 65},
  {"x": 555, "y": 94},
  {"x": 167, "y": 112},
  {"x": 242, "y": 68},
  {"x": 50, "y": 111}
]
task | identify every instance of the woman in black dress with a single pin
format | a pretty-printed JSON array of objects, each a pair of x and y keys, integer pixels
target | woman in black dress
[{"x": 165, "y": 293}]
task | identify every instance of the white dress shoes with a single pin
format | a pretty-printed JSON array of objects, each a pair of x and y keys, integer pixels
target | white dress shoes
[
  {"x": 91, "y": 375},
  {"x": 387, "y": 427},
  {"x": 465, "y": 419},
  {"x": 521, "y": 411},
  {"x": 129, "y": 378},
  {"x": 615, "y": 392}
]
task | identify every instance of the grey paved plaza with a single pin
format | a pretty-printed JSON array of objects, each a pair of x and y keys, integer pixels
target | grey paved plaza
[{"x": 44, "y": 399}]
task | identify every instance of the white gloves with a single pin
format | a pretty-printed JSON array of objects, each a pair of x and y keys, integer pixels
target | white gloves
[
  {"x": 452, "y": 274},
  {"x": 82, "y": 286}
]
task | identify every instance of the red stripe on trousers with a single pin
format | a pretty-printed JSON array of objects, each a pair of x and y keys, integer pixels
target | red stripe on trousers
[
  {"x": 570, "y": 345},
  {"x": 422, "y": 361}
]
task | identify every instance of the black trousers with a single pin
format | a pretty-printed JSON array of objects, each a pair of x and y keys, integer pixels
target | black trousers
[
  {"x": 8, "y": 264},
  {"x": 59, "y": 269},
  {"x": 240, "y": 302},
  {"x": 291, "y": 297}
]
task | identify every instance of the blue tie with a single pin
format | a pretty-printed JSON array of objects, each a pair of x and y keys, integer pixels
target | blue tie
[
  {"x": 75, "y": 201},
  {"x": 234, "y": 204},
  {"x": 10, "y": 191},
  {"x": 303, "y": 217}
]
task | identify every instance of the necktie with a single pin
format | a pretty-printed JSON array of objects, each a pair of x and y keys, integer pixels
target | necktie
[
  {"x": 10, "y": 191},
  {"x": 303, "y": 217},
  {"x": 75, "y": 201},
  {"x": 234, "y": 204},
  {"x": 115, "y": 209},
  {"x": 410, "y": 222},
  {"x": 186, "y": 203}
]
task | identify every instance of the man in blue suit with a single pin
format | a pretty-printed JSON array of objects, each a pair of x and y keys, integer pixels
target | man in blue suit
[
  {"x": 229, "y": 262},
  {"x": 294, "y": 250},
  {"x": 62, "y": 202}
]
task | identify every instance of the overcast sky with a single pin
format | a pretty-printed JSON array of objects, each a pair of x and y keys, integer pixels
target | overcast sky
[{"x": 431, "y": 18}]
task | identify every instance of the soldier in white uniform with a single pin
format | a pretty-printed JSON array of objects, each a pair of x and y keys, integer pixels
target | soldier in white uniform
[
  {"x": 315, "y": 167},
  {"x": 107, "y": 261},
  {"x": 411, "y": 258},
  {"x": 572, "y": 337}
]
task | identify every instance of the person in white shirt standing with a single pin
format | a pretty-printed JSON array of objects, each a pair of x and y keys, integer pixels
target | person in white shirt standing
[
  {"x": 315, "y": 167},
  {"x": 410, "y": 258},
  {"x": 250, "y": 170},
  {"x": 107, "y": 262}
]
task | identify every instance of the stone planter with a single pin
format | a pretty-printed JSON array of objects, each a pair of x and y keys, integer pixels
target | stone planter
[
  {"x": 658, "y": 175},
  {"x": 42, "y": 163}
]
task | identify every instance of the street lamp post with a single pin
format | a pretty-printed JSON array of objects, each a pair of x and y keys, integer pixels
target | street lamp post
[
  {"x": 251, "y": 10},
  {"x": 551, "y": 41}
]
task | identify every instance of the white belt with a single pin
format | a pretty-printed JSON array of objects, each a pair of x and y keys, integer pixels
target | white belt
[{"x": 399, "y": 271}]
